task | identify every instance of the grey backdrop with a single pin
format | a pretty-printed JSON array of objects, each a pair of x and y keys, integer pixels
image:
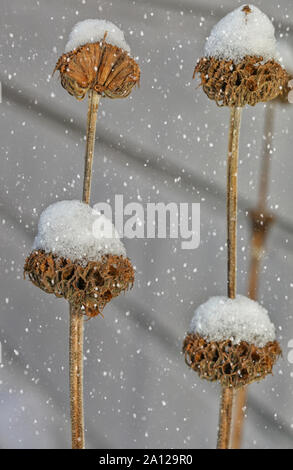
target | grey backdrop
[{"x": 167, "y": 142}]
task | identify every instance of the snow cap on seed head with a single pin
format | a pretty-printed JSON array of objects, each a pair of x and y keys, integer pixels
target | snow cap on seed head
[
  {"x": 93, "y": 30},
  {"x": 246, "y": 31},
  {"x": 239, "y": 319},
  {"x": 74, "y": 230}
]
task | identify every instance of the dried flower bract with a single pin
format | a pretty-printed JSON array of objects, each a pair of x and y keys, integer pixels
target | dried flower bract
[
  {"x": 247, "y": 82},
  {"x": 102, "y": 67},
  {"x": 232, "y": 365},
  {"x": 89, "y": 287}
]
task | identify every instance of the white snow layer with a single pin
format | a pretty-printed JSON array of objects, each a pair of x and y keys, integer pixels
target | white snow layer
[
  {"x": 240, "y": 33},
  {"x": 76, "y": 231},
  {"x": 89, "y": 31},
  {"x": 239, "y": 319}
]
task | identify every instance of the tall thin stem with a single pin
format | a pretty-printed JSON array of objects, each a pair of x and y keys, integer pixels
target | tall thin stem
[
  {"x": 225, "y": 418},
  {"x": 232, "y": 178},
  {"x": 93, "y": 105},
  {"x": 76, "y": 377},
  {"x": 257, "y": 245},
  {"x": 232, "y": 189},
  {"x": 76, "y": 317}
]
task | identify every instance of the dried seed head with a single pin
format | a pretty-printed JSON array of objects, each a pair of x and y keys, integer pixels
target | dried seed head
[
  {"x": 239, "y": 66},
  {"x": 233, "y": 365},
  {"x": 88, "y": 287},
  {"x": 248, "y": 82},
  {"x": 102, "y": 67}
]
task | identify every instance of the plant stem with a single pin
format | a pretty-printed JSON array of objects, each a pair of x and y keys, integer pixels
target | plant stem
[
  {"x": 225, "y": 418},
  {"x": 239, "y": 411},
  {"x": 93, "y": 105},
  {"x": 76, "y": 377},
  {"x": 257, "y": 244},
  {"x": 232, "y": 176},
  {"x": 76, "y": 316}
]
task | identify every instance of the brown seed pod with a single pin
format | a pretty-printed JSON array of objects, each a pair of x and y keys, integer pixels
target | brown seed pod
[
  {"x": 100, "y": 66},
  {"x": 232, "y": 365},
  {"x": 247, "y": 82},
  {"x": 89, "y": 287}
]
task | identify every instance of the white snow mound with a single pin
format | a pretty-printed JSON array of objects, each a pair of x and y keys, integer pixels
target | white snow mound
[
  {"x": 89, "y": 31},
  {"x": 76, "y": 231},
  {"x": 241, "y": 33},
  {"x": 239, "y": 319}
]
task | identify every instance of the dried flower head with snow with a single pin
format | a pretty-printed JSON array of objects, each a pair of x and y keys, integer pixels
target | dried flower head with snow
[
  {"x": 77, "y": 254},
  {"x": 232, "y": 341},
  {"x": 97, "y": 57},
  {"x": 239, "y": 66}
]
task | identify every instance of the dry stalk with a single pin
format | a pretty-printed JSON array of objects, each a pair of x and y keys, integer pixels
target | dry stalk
[
  {"x": 93, "y": 105},
  {"x": 232, "y": 177},
  {"x": 257, "y": 245},
  {"x": 76, "y": 316},
  {"x": 76, "y": 377},
  {"x": 225, "y": 418}
]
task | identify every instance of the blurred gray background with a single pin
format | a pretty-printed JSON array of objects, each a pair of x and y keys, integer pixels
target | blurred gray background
[{"x": 166, "y": 142}]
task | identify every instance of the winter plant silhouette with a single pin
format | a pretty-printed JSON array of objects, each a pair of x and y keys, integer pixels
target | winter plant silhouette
[
  {"x": 86, "y": 269},
  {"x": 231, "y": 339},
  {"x": 261, "y": 222}
]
